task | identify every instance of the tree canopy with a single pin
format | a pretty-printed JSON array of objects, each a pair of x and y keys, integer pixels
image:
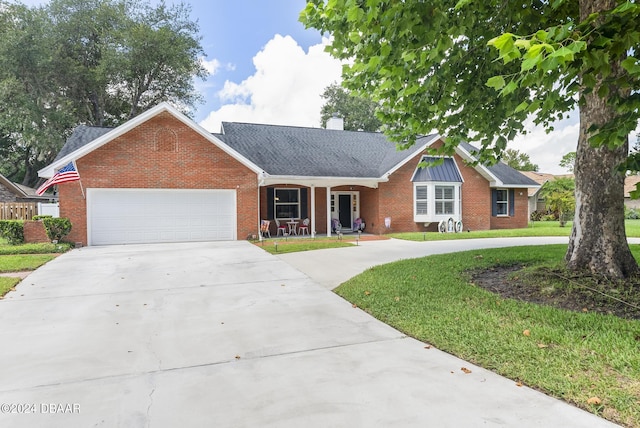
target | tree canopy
[
  {"x": 568, "y": 161},
  {"x": 479, "y": 70},
  {"x": 95, "y": 62},
  {"x": 518, "y": 160},
  {"x": 359, "y": 113}
]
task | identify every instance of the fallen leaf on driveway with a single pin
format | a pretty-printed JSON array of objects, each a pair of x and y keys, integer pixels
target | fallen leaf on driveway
[
  {"x": 366, "y": 293},
  {"x": 527, "y": 333},
  {"x": 595, "y": 401},
  {"x": 354, "y": 306},
  {"x": 519, "y": 384},
  {"x": 237, "y": 357},
  {"x": 465, "y": 370}
]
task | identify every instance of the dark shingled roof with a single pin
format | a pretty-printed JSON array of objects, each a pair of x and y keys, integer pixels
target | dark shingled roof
[
  {"x": 502, "y": 171},
  {"x": 445, "y": 172},
  {"x": 314, "y": 152},
  {"x": 81, "y": 136}
]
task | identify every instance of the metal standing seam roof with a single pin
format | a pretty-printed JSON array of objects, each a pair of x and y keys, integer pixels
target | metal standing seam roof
[{"x": 446, "y": 171}]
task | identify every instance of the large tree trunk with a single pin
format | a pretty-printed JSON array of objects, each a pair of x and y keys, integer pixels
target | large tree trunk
[{"x": 598, "y": 240}]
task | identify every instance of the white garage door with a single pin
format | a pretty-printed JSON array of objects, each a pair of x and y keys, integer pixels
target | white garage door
[{"x": 135, "y": 216}]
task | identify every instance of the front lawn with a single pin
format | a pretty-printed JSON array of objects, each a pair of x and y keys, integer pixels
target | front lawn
[
  {"x": 7, "y": 284},
  {"x": 535, "y": 228},
  {"x": 292, "y": 245},
  {"x": 585, "y": 358},
  {"x": 24, "y": 257},
  {"x": 22, "y": 262}
]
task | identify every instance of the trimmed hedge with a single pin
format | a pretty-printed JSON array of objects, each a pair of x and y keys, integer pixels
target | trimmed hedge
[
  {"x": 57, "y": 228},
  {"x": 40, "y": 217},
  {"x": 12, "y": 231}
]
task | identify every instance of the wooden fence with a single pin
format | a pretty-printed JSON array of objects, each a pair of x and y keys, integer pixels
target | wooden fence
[{"x": 18, "y": 210}]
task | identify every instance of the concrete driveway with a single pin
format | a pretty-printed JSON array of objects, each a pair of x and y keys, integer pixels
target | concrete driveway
[{"x": 226, "y": 335}]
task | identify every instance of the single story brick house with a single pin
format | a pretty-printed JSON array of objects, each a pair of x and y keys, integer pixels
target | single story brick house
[{"x": 160, "y": 177}]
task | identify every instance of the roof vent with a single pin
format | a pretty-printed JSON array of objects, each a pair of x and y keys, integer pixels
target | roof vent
[{"x": 336, "y": 123}]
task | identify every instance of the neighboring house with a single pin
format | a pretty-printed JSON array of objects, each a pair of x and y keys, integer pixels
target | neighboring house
[
  {"x": 630, "y": 185},
  {"x": 14, "y": 192},
  {"x": 160, "y": 177},
  {"x": 536, "y": 202}
]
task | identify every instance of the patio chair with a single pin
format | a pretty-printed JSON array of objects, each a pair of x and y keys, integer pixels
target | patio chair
[
  {"x": 264, "y": 228},
  {"x": 304, "y": 227},
  {"x": 282, "y": 228}
]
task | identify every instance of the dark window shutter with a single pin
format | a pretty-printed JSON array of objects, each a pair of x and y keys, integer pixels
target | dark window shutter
[
  {"x": 270, "y": 193},
  {"x": 512, "y": 200},
  {"x": 303, "y": 203},
  {"x": 494, "y": 202}
]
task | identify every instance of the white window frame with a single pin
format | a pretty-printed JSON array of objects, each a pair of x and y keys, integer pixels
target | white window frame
[
  {"x": 442, "y": 201},
  {"x": 431, "y": 215},
  {"x": 504, "y": 203},
  {"x": 276, "y": 203},
  {"x": 424, "y": 201}
]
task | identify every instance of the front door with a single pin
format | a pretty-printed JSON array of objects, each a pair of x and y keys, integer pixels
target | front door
[{"x": 345, "y": 211}]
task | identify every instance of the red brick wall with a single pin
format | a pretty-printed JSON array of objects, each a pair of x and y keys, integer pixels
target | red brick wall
[
  {"x": 521, "y": 213},
  {"x": 162, "y": 153},
  {"x": 476, "y": 198},
  {"x": 34, "y": 232}
]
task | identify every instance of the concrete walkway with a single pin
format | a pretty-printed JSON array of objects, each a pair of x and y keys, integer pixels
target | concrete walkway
[
  {"x": 332, "y": 267},
  {"x": 226, "y": 335}
]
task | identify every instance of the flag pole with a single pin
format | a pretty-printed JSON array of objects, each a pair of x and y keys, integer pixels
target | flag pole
[{"x": 79, "y": 179}]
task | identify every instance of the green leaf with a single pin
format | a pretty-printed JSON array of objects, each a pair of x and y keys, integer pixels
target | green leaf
[
  {"x": 461, "y": 4},
  {"x": 631, "y": 65},
  {"x": 511, "y": 86},
  {"x": 408, "y": 56},
  {"x": 496, "y": 82},
  {"x": 529, "y": 63},
  {"x": 522, "y": 106},
  {"x": 501, "y": 41},
  {"x": 355, "y": 37},
  {"x": 626, "y": 6},
  {"x": 542, "y": 35},
  {"x": 564, "y": 54}
]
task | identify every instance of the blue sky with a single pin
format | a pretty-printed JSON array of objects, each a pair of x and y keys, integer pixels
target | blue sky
[{"x": 265, "y": 67}]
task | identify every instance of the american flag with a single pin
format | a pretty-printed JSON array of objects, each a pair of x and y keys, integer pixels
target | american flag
[{"x": 67, "y": 173}]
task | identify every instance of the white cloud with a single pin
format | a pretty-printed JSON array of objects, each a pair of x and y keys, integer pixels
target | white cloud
[
  {"x": 547, "y": 149},
  {"x": 211, "y": 66},
  {"x": 285, "y": 88}
]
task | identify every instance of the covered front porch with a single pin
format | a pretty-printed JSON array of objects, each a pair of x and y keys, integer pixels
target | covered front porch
[{"x": 330, "y": 205}]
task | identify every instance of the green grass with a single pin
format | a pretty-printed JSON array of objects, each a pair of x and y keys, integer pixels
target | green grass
[
  {"x": 16, "y": 258},
  {"x": 6, "y": 284},
  {"x": 22, "y": 262},
  {"x": 40, "y": 248},
  {"x": 537, "y": 228},
  {"x": 295, "y": 245},
  {"x": 570, "y": 355}
]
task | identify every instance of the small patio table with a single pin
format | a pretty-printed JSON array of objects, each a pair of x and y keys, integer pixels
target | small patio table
[{"x": 293, "y": 227}]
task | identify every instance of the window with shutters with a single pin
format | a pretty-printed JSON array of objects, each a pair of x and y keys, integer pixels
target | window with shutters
[
  {"x": 286, "y": 203},
  {"x": 502, "y": 202}
]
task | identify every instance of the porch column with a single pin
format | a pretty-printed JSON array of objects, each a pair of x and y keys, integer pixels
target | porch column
[
  {"x": 313, "y": 210},
  {"x": 329, "y": 211}
]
